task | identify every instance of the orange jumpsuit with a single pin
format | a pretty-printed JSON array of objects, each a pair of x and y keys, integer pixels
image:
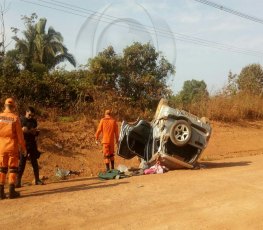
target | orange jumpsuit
[
  {"x": 109, "y": 128},
  {"x": 11, "y": 137}
]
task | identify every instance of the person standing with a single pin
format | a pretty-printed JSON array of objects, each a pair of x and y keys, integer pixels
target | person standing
[
  {"x": 11, "y": 139},
  {"x": 29, "y": 127},
  {"x": 109, "y": 129}
]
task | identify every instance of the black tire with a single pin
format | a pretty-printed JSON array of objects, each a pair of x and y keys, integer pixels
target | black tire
[{"x": 180, "y": 132}]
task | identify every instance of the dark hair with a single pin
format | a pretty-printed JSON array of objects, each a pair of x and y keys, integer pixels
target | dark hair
[{"x": 30, "y": 109}]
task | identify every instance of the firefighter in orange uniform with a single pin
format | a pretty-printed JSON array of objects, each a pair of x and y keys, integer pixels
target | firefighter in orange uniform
[
  {"x": 11, "y": 139},
  {"x": 109, "y": 128}
]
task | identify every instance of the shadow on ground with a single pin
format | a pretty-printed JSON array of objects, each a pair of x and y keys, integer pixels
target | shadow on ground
[
  {"x": 73, "y": 188},
  {"x": 209, "y": 165}
]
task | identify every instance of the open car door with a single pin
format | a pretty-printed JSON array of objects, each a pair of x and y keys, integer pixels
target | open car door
[{"x": 134, "y": 140}]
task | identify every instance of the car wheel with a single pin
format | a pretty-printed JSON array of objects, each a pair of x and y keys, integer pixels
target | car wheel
[{"x": 180, "y": 133}]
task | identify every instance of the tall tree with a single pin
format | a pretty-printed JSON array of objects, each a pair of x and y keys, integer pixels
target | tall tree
[
  {"x": 145, "y": 72},
  {"x": 231, "y": 88},
  {"x": 26, "y": 46},
  {"x": 106, "y": 68},
  {"x": 41, "y": 47},
  {"x": 193, "y": 91},
  {"x": 139, "y": 73},
  {"x": 50, "y": 50},
  {"x": 250, "y": 79}
]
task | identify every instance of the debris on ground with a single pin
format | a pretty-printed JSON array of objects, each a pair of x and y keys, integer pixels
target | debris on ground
[
  {"x": 155, "y": 169},
  {"x": 63, "y": 174},
  {"x": 122, "y": 168},
  {"x": 111, "y": 174}
]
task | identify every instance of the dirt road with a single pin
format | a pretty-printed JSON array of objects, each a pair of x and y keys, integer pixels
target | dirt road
[{"x": 224, "y": 195}]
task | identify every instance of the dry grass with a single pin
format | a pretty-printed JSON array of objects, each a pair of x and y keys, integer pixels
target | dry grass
[
  {"x": 230, "y": 108},
  {"x": 218, "y": 108}
]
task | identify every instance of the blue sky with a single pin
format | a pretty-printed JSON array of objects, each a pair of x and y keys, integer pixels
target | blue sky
[{"x": 170, "y": 25}]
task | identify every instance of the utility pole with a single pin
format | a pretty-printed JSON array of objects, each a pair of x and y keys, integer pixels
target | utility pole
[{"x": 3, "y": 10}]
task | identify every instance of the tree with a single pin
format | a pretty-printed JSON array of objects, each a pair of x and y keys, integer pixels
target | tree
[
  {"x": 250, "y": 79},
  {"x": 193, "y": 91},
  {"x": 140, "y": 73},
  {"x": 50, "y": 50},
  {"x": 25, "y": 46},
  {"x": 105, "y": 68},
  {"x": 232, "y": 86},
  {"x": 41, "y": 48},
  {"x": 10, "y": 63},
  {"x": 145, "y": 72}
]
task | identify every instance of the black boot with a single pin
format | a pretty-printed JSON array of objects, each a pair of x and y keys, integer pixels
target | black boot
[
  {"x": 39, "y": 182},
  {"x": 12, "y": 193},
  {"x": 112, "y": 164},
  {"x": 18, "y": 182},
  {"x": 2, "y": 192}
]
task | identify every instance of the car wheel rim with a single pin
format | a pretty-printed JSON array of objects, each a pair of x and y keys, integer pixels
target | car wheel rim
[{"x": 181, "y": 132}]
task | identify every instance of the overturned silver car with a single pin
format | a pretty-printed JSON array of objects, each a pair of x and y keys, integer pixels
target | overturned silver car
[{"x": 175, "y": 137}]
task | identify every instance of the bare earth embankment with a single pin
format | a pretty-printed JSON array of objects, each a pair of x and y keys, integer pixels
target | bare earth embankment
[{"x": 225, "y": 194}]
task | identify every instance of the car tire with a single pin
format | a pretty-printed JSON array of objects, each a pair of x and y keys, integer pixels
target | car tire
[{"x": 180, "y": 132}]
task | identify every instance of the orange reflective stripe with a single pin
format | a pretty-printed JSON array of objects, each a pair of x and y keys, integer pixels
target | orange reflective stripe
[{"x": 6, "y": 119}]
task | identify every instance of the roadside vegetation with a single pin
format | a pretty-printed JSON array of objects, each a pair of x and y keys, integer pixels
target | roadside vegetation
[{"x": 130, "y": 83}]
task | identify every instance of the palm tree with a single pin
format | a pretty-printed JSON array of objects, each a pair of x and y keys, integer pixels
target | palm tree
[
  {"x": 26, "y": 46},
  {"x": 41, "y": 47},
  {"x": 50, "y": 50}
]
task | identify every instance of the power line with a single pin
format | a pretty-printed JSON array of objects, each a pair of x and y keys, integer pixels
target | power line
[
  {"x": 71, "y": 9},
  {"x": 231, "y": 11},
  {"x": 53, "y": 8}
]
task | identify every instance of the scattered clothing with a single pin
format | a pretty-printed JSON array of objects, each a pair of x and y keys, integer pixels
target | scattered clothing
[
  {"x": 110, "y": 174},
  {"x": 134, "y": 172},
  {"x": 143, "y": 164},
  {"x": 156, "y": 169},
  {"x": 122, "y": 168}
]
